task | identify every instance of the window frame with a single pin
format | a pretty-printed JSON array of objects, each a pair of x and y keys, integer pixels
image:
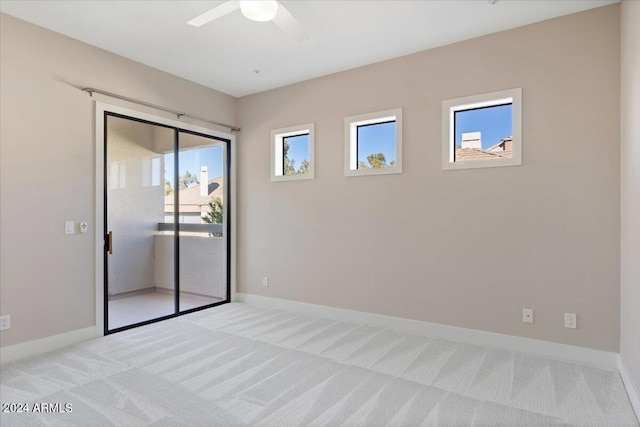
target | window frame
[
  {"x": 492, "y": 99},
  {"x": 277, "y": 152},
  {"x": 351, "y": 125}
]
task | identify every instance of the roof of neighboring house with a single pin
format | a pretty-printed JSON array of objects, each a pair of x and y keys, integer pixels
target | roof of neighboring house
[
  {"x": 499, "y": 150},
  {"x": 190, "y": 199}
]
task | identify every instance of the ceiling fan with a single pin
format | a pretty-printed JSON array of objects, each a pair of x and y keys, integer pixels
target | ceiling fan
[{"x": 260, "y": 10}]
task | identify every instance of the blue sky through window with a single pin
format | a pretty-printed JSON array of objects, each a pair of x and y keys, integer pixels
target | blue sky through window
[
  {"x": 298, "y": 149},
  {"x": 191, "y": 160},
  {"x": 378, "y": 138},
  {"x": 494, "y": 123}
]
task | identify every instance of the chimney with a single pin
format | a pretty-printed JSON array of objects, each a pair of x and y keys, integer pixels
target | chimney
[
  {"x": 204, "y": 181},
  {"x": 472, "y": 140}
]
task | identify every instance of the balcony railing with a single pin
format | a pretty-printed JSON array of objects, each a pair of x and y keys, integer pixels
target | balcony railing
[{"x": 191, "y": 228}]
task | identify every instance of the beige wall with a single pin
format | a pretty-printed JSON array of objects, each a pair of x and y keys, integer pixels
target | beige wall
[
  {"x": 630, "y": 190},
  {"x": 544, "y": 235},
  {"x": 47, "y": 169}
]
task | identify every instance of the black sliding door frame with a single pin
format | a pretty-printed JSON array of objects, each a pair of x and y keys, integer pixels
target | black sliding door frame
[{"x": 176, "y": 223}]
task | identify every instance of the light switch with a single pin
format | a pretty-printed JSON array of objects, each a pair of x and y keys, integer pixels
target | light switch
[{"x": 69, "y": 227}]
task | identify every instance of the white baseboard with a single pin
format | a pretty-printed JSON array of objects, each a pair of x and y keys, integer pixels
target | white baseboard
[
  {"x": 46, "y": 345},
  {"x": 549, "y": 349},
  {"x": 469, "y": 336},
  {"x": 632, "y": 391}
]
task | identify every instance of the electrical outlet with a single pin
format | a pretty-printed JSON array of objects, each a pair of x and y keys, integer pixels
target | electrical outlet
[
  {"x": 570, "y": 320},
  {"x": 527, "y": 315},
  {"x": 265, "y": 281},
  {"x": 5, "y": 322}
]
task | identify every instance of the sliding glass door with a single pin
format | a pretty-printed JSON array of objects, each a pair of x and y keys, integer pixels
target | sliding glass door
[
  {"x": 166, "y": 222},
  {"x": 202, "y": 238}
]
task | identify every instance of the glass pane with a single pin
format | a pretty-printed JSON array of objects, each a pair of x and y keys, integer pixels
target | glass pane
[
  {"x": 377, "y": 145},
  {"x": 202, "y": 217},
  {"x": 140, "y": 271},
  {"x": 483, "y": 133},
  {"x": 296, "y": 154}
]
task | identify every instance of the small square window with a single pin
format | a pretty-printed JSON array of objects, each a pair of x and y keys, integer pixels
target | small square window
[
  {"x": 373, "y": 143},
  {"x": 292, "y": 154},
  {"x": 482, "y": 131}
]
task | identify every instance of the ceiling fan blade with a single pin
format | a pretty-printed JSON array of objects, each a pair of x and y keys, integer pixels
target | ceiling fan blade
[
  {"x": 215, "y": 13},
  {"x": 287, "y": 23}
]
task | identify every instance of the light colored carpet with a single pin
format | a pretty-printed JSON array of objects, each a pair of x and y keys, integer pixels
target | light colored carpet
[{"x": 239, "y": 364}]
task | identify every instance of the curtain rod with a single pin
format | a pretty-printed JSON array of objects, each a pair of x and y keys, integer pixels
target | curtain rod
[{"x": 179, "y": 114}]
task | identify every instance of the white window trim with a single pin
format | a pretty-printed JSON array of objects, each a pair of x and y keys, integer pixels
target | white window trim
[
  {"x": 449, "y": 107},
  {"x": 351, "y": 142},
  {"x": 277, "y": 136}
]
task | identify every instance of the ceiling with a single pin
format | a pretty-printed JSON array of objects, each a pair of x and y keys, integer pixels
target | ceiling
[{"x": 240, "y": 57}]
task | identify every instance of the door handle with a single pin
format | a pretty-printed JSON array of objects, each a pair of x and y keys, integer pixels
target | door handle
[{"x": 110, "y": 242}]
